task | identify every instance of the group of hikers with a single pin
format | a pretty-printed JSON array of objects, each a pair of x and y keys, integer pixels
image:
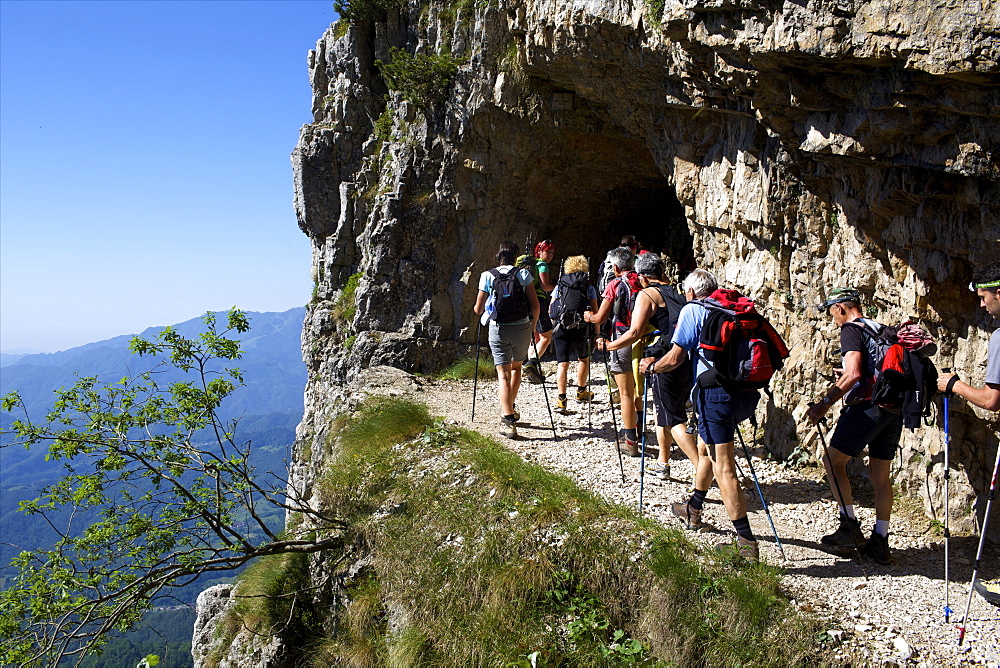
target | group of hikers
[{"x": 706, "y": 354}]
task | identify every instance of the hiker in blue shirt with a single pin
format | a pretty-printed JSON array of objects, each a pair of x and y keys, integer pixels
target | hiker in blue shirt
[
  {"x": 512, "y": 318},
  {"x": 718, "y": 410}
]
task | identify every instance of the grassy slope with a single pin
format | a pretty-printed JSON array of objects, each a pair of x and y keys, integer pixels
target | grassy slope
[{"x": 479, "y": 558}]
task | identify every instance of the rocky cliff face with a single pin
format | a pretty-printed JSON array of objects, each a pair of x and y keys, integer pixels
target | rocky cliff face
[{"x": 790, "y": 147}]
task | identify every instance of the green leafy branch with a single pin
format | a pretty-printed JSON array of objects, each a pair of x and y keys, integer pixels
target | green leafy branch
[{"x": 156, "y": 491}]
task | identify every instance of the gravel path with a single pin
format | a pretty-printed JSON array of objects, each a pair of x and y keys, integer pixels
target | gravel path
[{"x": 893, "y": 617}]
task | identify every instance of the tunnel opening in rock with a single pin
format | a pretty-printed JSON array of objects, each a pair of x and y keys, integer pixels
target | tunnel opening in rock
[{"x": 585, "y": 192}]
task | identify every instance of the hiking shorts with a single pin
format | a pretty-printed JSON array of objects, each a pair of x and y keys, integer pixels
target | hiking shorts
[
  {"x": 867, "y": 424},
  {"x": 719, "y": 412},
  {"x": 570, "y": 344},
  {"x": 509, "y": 343},
  {"x": 544, "y": 320},
  {"x": 620, "y": 360},
  {"x": 670, "y": 395}
]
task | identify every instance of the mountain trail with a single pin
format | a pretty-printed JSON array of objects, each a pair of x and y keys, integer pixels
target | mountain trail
[{"x": 892, "y": 616}]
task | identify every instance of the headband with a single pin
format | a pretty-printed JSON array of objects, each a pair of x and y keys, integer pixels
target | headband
[{"x": 992, "y": 285}]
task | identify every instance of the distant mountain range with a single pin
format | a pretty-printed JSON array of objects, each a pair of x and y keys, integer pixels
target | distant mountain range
[{"x": 269, "y": 405}]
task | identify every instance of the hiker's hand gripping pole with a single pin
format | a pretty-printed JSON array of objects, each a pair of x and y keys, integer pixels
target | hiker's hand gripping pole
[{"x": 840, "y": 497}]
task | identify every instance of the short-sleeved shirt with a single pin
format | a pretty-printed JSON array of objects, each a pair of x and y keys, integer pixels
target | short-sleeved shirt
[
  {"x": 852, "y": 339},
  {"x": 486, "y": 285},
  {"x": 993, "y": 360},
  {"x": 541, "y": 267},
  {"x": 688, "y": 334}
]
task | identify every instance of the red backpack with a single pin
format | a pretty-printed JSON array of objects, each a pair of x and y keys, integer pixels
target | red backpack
[
  {"x": 627, "y": 289},
  {"x": 740, "y": 344}
]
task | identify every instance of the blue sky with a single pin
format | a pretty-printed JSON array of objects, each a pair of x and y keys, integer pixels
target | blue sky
[{"x": 144, "y": 163}]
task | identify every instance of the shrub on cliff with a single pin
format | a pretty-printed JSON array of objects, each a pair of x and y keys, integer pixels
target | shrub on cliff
[{"x": 424, "y": 80}]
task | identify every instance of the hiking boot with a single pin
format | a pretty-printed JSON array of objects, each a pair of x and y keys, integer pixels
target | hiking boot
[
  {"x": 628, "y": 446},
  {"x": 848, "y": 534},
  {"x": 584, "y": 396},
  {"x": 508, "y": 427},
  {"x": 683, "y": 511},
  {"x": 561, "y": 403},
  {"x": 660, "y": 470},
  {"x": 878, "y": 548},
  {"x": 615, "y": 396},
  {"x": 533, "y": 372},
  {"x": 517, "y": 414}
]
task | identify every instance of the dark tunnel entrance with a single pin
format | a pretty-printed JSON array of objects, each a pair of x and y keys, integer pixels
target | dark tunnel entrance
[{"x": 586, "y": 191}]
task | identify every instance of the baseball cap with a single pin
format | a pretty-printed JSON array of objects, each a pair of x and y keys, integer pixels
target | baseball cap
[{"x": 840, "y": 295}]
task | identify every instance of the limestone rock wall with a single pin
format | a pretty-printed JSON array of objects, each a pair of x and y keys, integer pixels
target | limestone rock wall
[{"x": 790, "y": 147}]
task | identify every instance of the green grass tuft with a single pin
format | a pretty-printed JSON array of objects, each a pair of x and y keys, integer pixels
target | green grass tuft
[{"x": 465, "y": 368}]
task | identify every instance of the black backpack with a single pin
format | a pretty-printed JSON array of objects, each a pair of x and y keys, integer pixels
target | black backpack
[
  {"x": 567, "y": 309},
  {"x": 510, "y": 303},
  {"x": 903, "y": 380}
]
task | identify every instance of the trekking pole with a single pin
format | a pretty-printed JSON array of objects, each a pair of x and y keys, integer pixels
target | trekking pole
[
  {"x": 475, "y": 378},
  {"x": 590, "y": 402},
  {"x": 947, "y": 477},
  {"x": 545, "y": 392},
  {"x": 840, "y": 496},
  {"x": 614, "y": 423},
  {"x": 759, "y": 492},
  {"x": 979, "y": 552},
  {"x": 642, "y": 454}
]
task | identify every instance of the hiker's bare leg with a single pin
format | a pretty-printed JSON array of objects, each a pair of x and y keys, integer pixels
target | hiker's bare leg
[
  {"x": 505, "y": 380},
  {"x": 663, "y": 441},
  {"x": 724, "y": 466},
  {"x": 879, "y": 469},
  {"x": 582, "y": 372},
  {"x": 836, "y": 468},
  {"x": 626, "y": 390},
  {"x": 561, "y": 373},
  {"x": 704, "y": 475},
  {"x": 687, "y": 442}
]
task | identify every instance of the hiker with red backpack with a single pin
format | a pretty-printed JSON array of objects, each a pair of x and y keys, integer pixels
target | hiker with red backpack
[
  {"x": 863, "y": 422},
  {"x": 507, "y": 299},
  {"x": 658, "y": 305},
  {"x": 735, "y": 351},
  {"x": 617, "y": 302},
  {"x": 571, "y": 299}
]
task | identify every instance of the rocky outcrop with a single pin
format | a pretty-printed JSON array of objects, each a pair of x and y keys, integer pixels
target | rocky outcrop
[{"x": 790, "y": 147}]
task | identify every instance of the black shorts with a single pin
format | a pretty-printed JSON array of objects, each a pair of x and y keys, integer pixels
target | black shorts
[
  {"x": 671, "y": 391},
  {"x": 544, "y": 321},
  {"x": 569, "y": 342},
  {"x": 867, "y": 424}
]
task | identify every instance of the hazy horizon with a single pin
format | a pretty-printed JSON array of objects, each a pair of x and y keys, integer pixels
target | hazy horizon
[{"x": 145, "y": 164}]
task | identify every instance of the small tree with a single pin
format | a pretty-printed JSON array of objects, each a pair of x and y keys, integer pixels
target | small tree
[{"x": 168, "y": 489}]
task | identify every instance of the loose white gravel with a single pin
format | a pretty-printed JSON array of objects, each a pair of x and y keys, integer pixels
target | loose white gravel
[{"x": 894, "y": 616}]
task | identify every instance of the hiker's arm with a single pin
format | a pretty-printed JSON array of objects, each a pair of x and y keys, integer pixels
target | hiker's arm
[
  {"x": 533, "y": 303},
  {"x": 673, "y": 359},
  {"x": 601, "y": 315},
  {"x": 851, "y": 375},
  {"x": 544, "y": 283},
  {"x": 593, "y": 308},
  {"x": 480, "y": 303},
  {"x": 987, "y": 397},
  {"x": 640, "y": 318}
]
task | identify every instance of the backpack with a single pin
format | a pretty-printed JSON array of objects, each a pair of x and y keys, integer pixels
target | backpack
[
  {"x": 567, "y": 309},
  {"x": 740, "y": 344},
  {"x": 903, "y": 379},
  {"x": 626, "y": 291},
  {"x": 605, "y": 274},
  {"x": 510, "y": 303}
]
